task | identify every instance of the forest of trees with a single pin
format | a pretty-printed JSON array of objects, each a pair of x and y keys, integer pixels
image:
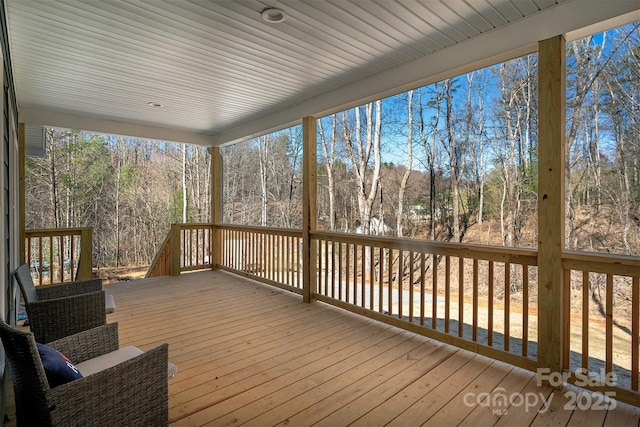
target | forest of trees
[
  {"x": 453, "y": 161},
  {"x": 457, "y": 160},
  {"x": 128, "y": 190}
]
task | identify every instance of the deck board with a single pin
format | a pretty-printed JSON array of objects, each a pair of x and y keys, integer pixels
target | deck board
[{"x": 250, "y": 354}]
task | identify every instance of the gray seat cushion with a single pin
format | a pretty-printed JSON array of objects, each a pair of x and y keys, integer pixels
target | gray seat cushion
[
  {"x": 108, "y": 360},
  {"x": 109, "y": 304}
]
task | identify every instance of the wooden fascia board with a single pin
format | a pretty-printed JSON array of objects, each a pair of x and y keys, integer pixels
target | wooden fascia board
[{"x": 37, "y": 117}]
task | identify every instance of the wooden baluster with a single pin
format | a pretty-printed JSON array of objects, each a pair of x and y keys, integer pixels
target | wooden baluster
[
  {"x": 585, "y": 319},
  {"x": 326, "y": 267},
  {"x": 263, "y": 254},
  {"x": 380, "y": 279},
  {"x": 372, "y": 277},
  {"x": 434, "y": 290},
  {"x": 279, "y": 258},
  {"x": 287, "y": 261},
  {"x": 399, "y": 280},
  {"x": 390, "y": 282},
  {"x": 491, "y": 284},
  {"x": 355, "y": 275},
  {"x": 363, "y": 277},
  {"x": 525, "y": 310},
  {"x": 475, "y": 301},
  {"x": 507, "y": 305},
  {"x": 410, "y": 286},
  {"x": 61, "y": 257},
  {"x": 347, "y": 271},
  {"x": 72, "y": 256},
  {"x": 333, "y": 270},
  {"x": 51, "y": 260},
  {"x": 422, "y": 290},
  {"x": 565, "y": 330},
  {"x": 635, "y": 330},
  {"x": 609, "y": 324},
  {"x": 340, "y": 281},
  {"x": 460, "y": 296},
  {"x": 447, "y": 292}
]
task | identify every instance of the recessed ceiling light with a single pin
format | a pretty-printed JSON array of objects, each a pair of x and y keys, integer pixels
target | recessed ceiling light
[
  {"x": 155, "y": 104},
  {"x": 273, "y": 15}
]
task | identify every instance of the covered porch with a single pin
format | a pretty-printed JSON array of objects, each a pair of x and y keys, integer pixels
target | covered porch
[
  {"x": 377, "y": 346},
  {"x": 249, "y": 353}
]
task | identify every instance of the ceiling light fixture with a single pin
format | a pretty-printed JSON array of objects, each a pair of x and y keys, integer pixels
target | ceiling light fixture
[
  {"x": 155, "y": 104},
  {"x": 272, "y": 15}
]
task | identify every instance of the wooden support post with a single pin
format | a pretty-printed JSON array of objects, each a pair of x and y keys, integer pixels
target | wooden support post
[
  {"x": 21, "y": 191},
  {"x": 175, "y": 251},
  {"x": 216, "y": 206},
  {"x": 309, "y": 181},
  {"x": 551, "y": 201},
  {"x": 85, "y": 265}
]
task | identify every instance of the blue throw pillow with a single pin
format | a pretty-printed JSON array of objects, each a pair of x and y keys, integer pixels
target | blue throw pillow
[{"x": 57, "y": 366}]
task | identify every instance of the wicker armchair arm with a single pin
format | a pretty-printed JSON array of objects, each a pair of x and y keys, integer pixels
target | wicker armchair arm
[
  {"x": 68, "y": 289},
  {"x": 133, "y": 393},
  {"x": 88, "y": 344},
  {"x": 57, "y": 318}
]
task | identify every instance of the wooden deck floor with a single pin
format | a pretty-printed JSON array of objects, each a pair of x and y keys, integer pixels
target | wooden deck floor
[{"x": 249, "y": 354}]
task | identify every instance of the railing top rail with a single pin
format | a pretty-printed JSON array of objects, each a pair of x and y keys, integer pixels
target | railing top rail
[
  {"x": 296, "y": 232},
  {"x": 195, "y": 225},
  {"x": 473, "y": 251},
  {"x": 602, "y": 263},
  {"x": 602, "y": 257},
  {"x": 43, "y": 232}
]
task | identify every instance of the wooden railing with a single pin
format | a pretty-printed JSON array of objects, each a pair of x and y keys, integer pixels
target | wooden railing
[
  {"x": 476, "y": 297},
  {"x": 272, "y": 255},
  {"x": 602, "y": 321},
  {"x": 481, "y": 298},
  {"x": 187, "y": 247},
  {"x": 161, "y": 265},
  {"x": 59, "y": 255}
]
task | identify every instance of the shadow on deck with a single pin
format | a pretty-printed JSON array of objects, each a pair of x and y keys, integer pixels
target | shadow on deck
[{"x": 250, "y": 354}]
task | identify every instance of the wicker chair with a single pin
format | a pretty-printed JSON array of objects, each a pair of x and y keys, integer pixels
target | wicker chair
[
  {"x": 57, "y": 311},
  {"x": 131, "y": 393}
]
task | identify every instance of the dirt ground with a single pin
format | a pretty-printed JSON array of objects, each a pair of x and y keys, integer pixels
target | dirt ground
[{"x": 121, "y": 274}]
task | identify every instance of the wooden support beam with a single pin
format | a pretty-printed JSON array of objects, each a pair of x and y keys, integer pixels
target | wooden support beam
[
  {"x": 551, "y": 201},
  {"x": 175, "y": 249},
  {"x": 309, "y": 190},
  {"x": 216, "y": 206},
  {"x": 85, "y": 266}
]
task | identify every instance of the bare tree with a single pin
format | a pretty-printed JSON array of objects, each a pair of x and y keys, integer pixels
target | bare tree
[
  {"x": 429, "y": 144},
  {"x": 328, "y": 150},
  {"x": 263, "y": 149},
  {"x": 456, "y": 160},
  {"x": 407, "y": 172},
  {"x": 365, "y": 137},
  {"x": 184, "y": 184},
  {"x": 582, "y": 70},
  {"x": 477, "y": 145}
]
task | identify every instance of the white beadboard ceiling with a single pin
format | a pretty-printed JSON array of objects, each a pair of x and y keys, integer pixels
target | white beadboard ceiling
[{"x": 222, "y": 74}]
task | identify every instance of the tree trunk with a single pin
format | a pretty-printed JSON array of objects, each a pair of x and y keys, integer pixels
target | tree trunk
[
  {"x": 407, "y": 172},
  {"x": 430, "y": 152},
  {"x": 184, "y": 183},
  {"x": 263, "y": 146},
  {"x": 360, "y": 160},
  {"x": 451, "y": 146},
  {"x": 329, "y": 159}
]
